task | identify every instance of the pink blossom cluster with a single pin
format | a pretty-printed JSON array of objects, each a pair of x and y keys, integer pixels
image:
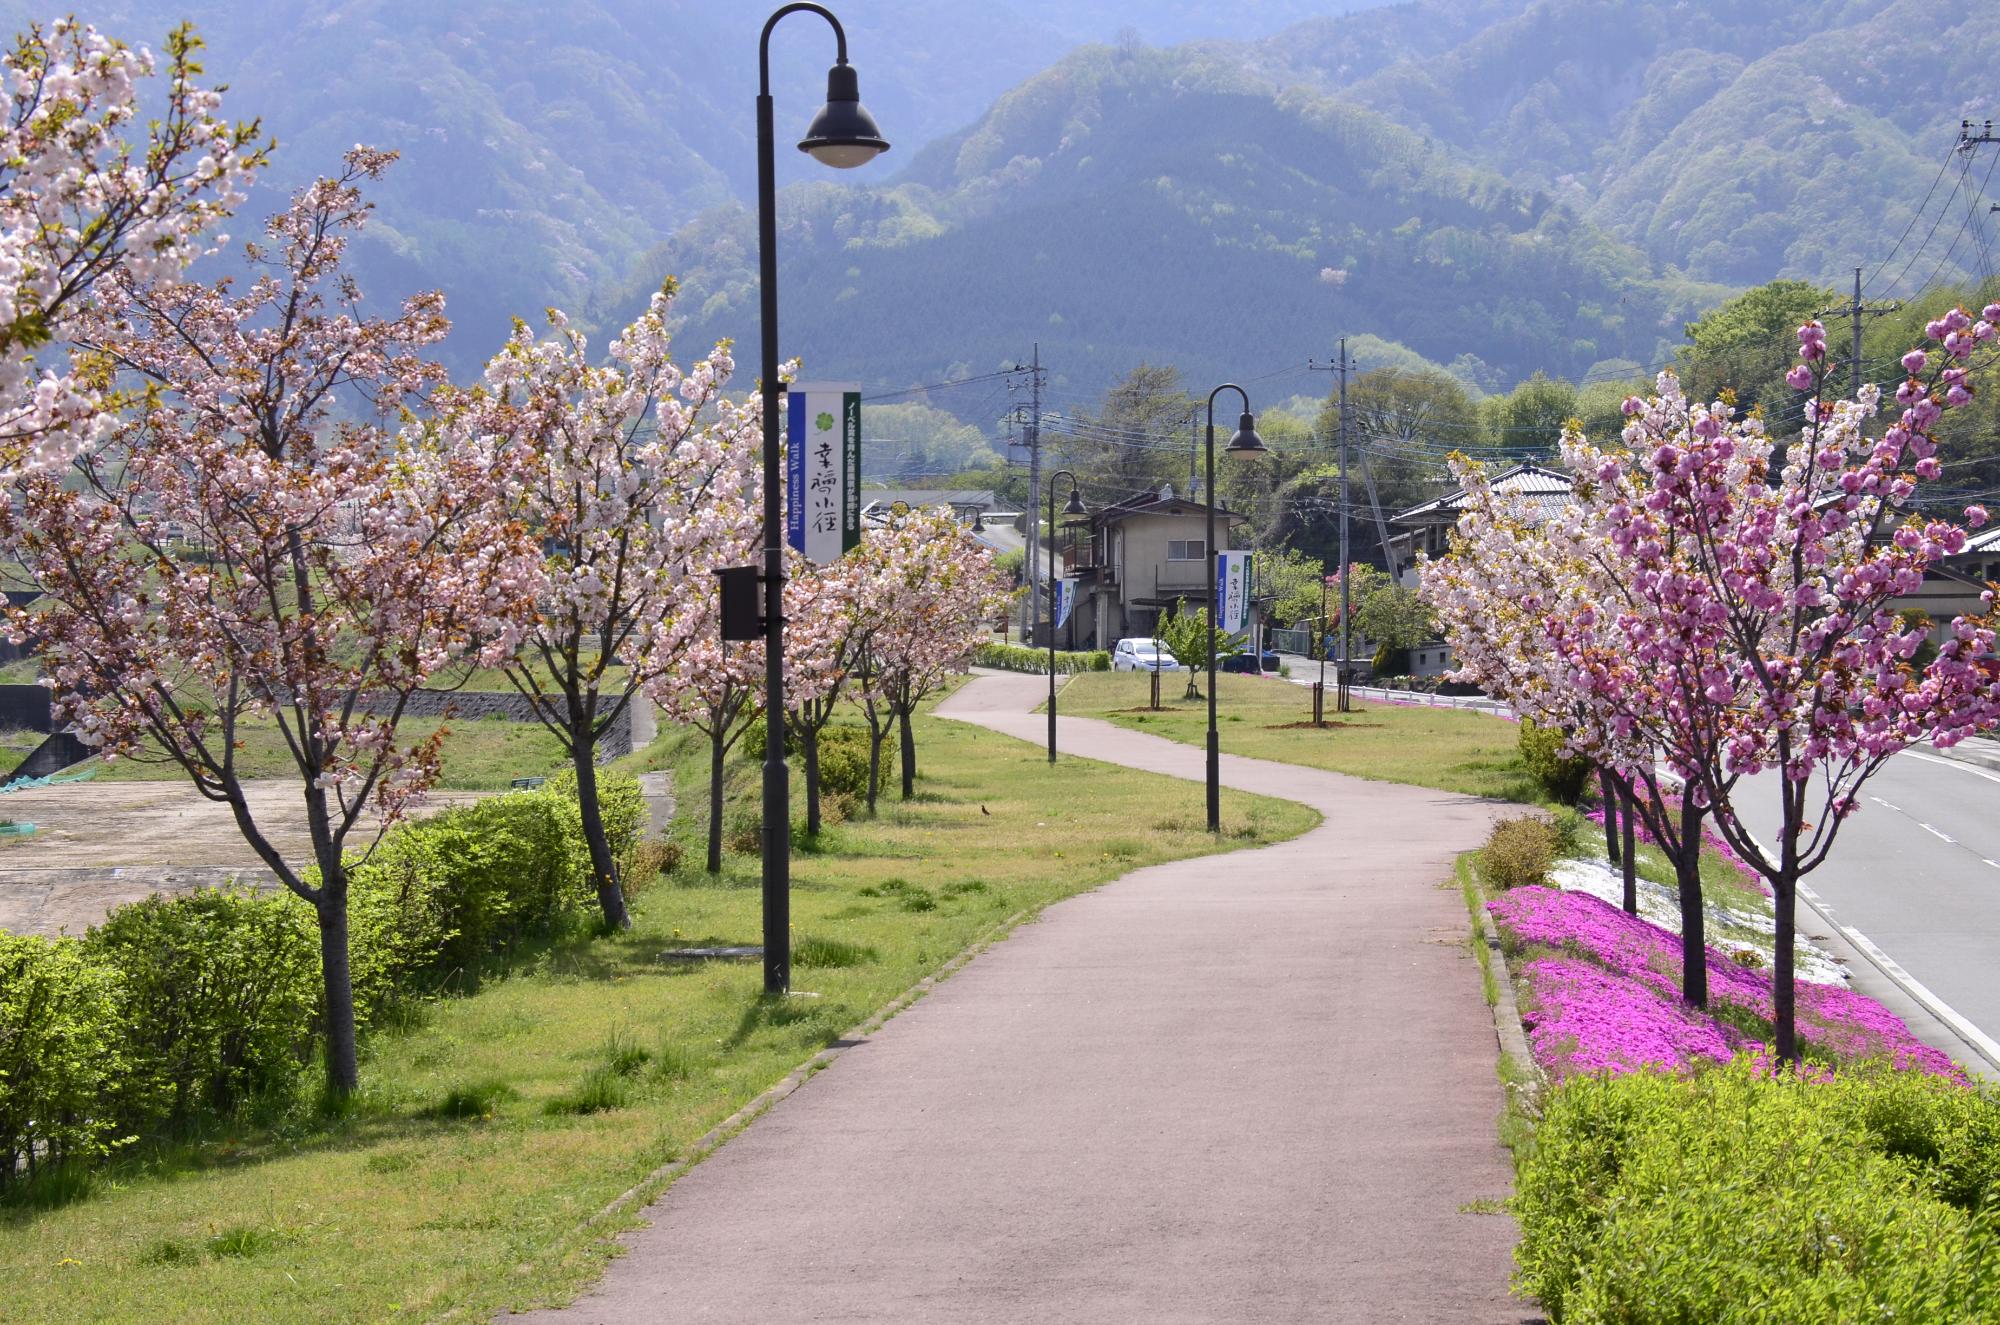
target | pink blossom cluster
[
  {"x": 1605, "y": 996},
  {"x": 89, "y": 189}
]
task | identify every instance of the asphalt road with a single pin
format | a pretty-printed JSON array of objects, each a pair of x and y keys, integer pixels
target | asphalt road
[{"x": 1917, "y": 870}]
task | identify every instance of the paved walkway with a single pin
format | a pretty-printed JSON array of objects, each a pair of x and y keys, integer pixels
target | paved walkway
[{"x": 1249, "y": 1088}]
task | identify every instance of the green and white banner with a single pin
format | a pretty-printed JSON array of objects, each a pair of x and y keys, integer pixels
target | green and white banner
[
  {"x": 1232, "y": 590},
  {"x": 823, "y": 470}
]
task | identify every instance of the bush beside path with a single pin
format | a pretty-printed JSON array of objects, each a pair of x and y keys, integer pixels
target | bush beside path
[{"x": 1254, "y": 1087}]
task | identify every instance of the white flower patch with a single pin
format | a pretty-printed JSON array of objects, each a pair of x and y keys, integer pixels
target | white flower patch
[{"x": 1728, "y": 928}]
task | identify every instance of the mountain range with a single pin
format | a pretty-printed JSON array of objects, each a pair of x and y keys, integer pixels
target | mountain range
[{"x": 1497, "y": 186}]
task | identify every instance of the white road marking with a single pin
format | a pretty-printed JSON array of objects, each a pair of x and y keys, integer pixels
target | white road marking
[
  {"x": 1947, "y": 837},
  {"x": 1885, "y": 805},
  {"x": 1994, "y": 863}
]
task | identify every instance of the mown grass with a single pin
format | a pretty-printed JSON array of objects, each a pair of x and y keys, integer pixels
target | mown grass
[
  {"x": 486, "y": 1133},
  {"x": 479, "y": 755},
  {"x": 1266, "y": 718}
]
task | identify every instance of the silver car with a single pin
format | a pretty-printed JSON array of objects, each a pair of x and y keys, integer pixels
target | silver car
[{"x": 1142, "y": 655}]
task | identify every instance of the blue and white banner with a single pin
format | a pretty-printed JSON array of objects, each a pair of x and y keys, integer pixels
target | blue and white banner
[
  {"x": 1232, "y": 589},
  {"x": 1065, "y": 601},
  {"x": 823, "y": 470}
]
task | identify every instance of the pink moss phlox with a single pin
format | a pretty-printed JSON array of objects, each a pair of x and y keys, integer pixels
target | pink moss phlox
[{"x": 1627, "y": 1015}]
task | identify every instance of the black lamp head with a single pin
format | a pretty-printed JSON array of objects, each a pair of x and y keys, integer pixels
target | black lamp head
[
  {"x": 1075, "y": 504},
  {"x": 1246, "y": 441},
  {"x": 843, "y": 135}
]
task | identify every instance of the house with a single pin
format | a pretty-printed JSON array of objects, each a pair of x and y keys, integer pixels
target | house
[{"x": 1135, "y": 559}]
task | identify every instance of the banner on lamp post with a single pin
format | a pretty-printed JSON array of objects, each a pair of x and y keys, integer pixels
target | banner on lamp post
[
  {"x": 1232, "y": 590},
  {"x": 1065, "y": 601},
  {"x": 823, "y": 470}
]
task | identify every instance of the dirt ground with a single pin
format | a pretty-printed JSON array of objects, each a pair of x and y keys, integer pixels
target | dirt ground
[{"x": 98, "y": 844}]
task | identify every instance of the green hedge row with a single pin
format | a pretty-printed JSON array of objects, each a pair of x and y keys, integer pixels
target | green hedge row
[
  {"x": 179, "y": 1009},
  {"x": 1016, "y": 658},
  {"x": 1738, "y": 1197}
]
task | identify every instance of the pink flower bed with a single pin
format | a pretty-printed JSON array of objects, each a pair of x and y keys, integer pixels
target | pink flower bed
[{"x": 1604, "y": 995}]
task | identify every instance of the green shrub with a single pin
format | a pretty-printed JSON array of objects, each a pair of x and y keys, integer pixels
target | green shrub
[
  {"x": 1734, "y": 1197},
  {"x": 440, "y": 895},
  {"x": 60, "y": 1055},
  {"x": 843, "y": 762},
  {"x": 1018, "y": 658},
  {"x": 620, "y": 804},
  {"x": 1542, "y": 753},
  {"x": 1575, "y": 834},
  {"x": 218, "y": 991},
  {"x": 1519, "y": 852}
]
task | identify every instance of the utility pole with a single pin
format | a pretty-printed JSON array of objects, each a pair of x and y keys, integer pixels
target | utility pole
[
  {"x": 1856, "y": 310},
  {"x": 1341, "y": 366},
  {"x": 1031, "y": 428}
]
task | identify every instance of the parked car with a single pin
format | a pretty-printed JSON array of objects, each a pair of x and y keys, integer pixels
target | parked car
[
  {"x": 1243, "y": 662},
  {"x": 1142, "y": 655}
]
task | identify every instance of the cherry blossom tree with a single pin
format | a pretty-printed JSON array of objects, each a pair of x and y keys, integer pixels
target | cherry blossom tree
[
  {"x": 1754, "y": 598},
  {"x": 231, "y": 552},
  {"x": 716, "y": 687},
  {"x": 931, "y": 590},
  {"x": 85, "y": 192},
  {"x": 641, "y": 472},
  {"x": 830, "y": 629},
  {"x": 1517, "y": 570}
]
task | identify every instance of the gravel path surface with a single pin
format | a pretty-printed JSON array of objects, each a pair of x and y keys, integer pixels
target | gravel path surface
[{"x": 1251, "y": 1088}]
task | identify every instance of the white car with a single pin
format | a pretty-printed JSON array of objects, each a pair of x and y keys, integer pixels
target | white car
[{"x": 1142, "y": 655}]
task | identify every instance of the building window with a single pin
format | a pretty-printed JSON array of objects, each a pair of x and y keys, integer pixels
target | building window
[{"x": 1186, "y": 549}]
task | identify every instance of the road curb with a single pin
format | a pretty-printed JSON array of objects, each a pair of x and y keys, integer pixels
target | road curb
[{"x": 1969, "y": 751}]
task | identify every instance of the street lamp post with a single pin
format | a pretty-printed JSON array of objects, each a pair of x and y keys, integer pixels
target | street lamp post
[
  {"x": 842, "y": 135},
  {"x": 1245, "y": 442},
  {"x": 1074, "y": 506}
]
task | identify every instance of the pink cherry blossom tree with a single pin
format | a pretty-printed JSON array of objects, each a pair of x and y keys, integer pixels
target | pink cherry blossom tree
[
  {"x": 85, "y": 192},
  {"x": 716, "y": 687},
  {"x": 931, "y": 590},
  {"x": 231, "y": 552},
  {"x": 641, "y": 473},
  {"x": 1755, "y": 603},
  {"x": 1517, "y": 573},
  {"x": 830, "y": 628}
]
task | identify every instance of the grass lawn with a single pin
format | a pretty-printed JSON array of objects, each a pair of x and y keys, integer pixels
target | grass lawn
[
  {"x": 1267, "y": 718},
  {"x": 480, "y": 755},
  {"x": 488, "y": 1133}
]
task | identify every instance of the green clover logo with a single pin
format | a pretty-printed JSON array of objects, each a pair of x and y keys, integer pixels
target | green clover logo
[{"x": 824, "y": 422}]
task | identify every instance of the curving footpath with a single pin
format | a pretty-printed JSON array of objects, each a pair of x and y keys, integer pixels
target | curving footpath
[{"x": 1256, "y": 1087}]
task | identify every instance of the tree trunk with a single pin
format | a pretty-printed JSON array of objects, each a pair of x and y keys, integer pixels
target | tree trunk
[
  {"x": 603, "y": 866},
  {"x": 1607, "y": 790},
  {"x": 909, "y": 744},
  {"x": 1784, "y": 986},
  {"x": 809, "y": 750},
  {"x": 1694, "y": 941},
  {"x": 1629, "y": 862},
  {"x": 715, "y": 766},
  {"x": 876, "y": 735},
  {"x": 343, "y": 1070}
]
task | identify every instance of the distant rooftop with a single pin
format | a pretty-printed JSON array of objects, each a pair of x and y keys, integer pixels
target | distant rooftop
[{"x": 1526, "y": 479}]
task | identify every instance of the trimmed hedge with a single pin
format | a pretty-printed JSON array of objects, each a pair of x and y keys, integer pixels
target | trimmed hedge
[
  {"x": 217, "y": 994},
  {"x": 184, "y": 1008},
  {"x": 1735, "y": 1196},
  {"x": 61, "y": 1051},
  {"x": 1017, "y": 658}
]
